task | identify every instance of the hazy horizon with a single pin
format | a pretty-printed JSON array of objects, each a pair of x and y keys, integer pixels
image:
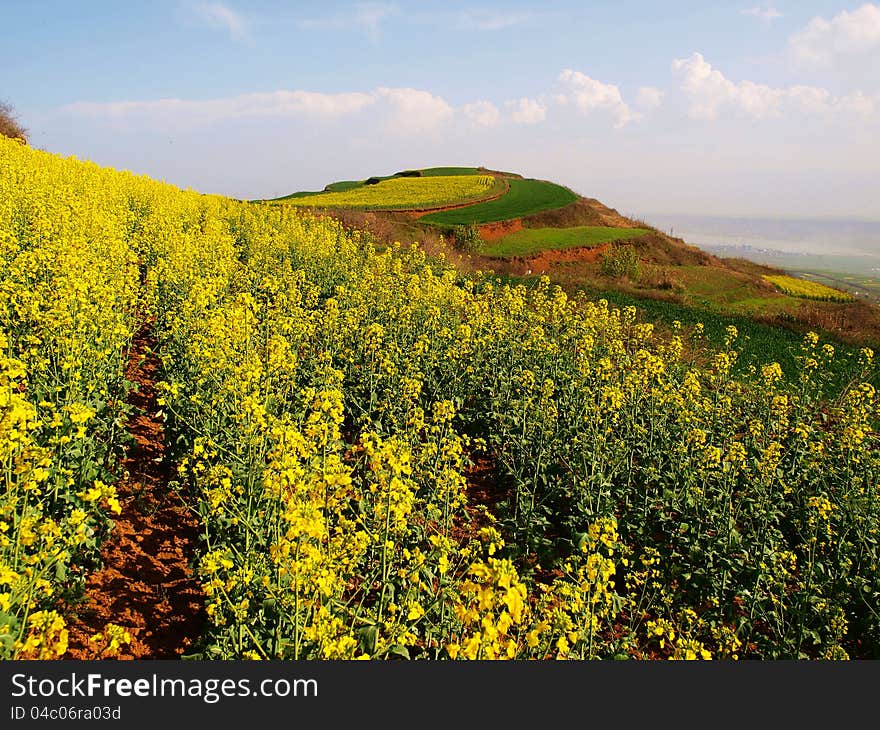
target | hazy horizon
[{"x": 799, "y": 236}]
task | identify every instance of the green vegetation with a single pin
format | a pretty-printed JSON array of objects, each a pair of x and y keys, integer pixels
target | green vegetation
[
  {"x": 340, "y": 187},
  {"x": 717, "y": 288},
  {"x": 293, "y": 196},
  {"x": 445, "y": 171},
  {"x": 467, "y": 238},
  {"x": 525, "y": 197},
  {"x": 620, "y": 262},
  {"x": 533, "y": 240}
]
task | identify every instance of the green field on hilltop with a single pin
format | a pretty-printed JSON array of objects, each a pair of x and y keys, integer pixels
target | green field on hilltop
[
  {"x": 533, "y": 240},
  {"x": 525, "y": 197},
  {"x": 406, "y": 193},
  {"x": 344, "y": 186},
  {"x": 444, "y": 171},
  {"x": 340, "y": 186}
]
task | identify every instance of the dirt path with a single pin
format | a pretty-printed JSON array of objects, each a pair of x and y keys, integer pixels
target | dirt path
[
  {"x": 485, "y": 490},
  {"x": 145, "y": 585}
]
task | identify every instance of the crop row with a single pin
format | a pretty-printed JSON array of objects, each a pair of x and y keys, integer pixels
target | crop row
[{"x": 68, "y": 310}]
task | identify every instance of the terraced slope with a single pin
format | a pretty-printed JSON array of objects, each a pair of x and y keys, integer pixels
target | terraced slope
[
  {"x": 533, "y": 240},
  {"x": 525, "y": 197}
]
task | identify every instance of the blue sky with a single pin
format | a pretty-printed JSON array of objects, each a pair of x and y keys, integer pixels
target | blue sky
[{"x": 733, "y": 108}]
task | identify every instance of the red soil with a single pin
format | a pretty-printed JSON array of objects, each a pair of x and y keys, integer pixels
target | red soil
[
  {"x": 484, "y": 493},
  {"x": 146, "y": 585},
  {"x": 494, "y": 231},
  {"x": 484, "y": 488},
  {"x": 544, "y": 261},
  {"x": 540, "y": 263}
]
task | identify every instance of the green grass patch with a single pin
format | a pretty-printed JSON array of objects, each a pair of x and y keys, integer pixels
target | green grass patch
[
  {"x": 525, "y": 197},
  {"x": 714, "y": 286},
  {"x": 292, "y": 196},
  {"x": 447, "y": 171},
  {"x": 343, "y": 185},
  {"x": 534, "y": 240},
  {"x": 340, "y": 186}
]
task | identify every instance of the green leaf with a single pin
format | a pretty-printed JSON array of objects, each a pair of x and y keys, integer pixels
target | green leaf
[
  {"x": 400, "y": 651},
  {"x": 367, "y": 637}
]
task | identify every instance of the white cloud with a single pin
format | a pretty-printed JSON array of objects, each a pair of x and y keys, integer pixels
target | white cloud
[
  {"x": 526, "y": 111},
  {"x": 482, "y": 113},
  {"x": 812, "y": 99},
  {"x": 588, "y": 94},
  {"x": 222, "y": 17},
  {"x": 858, "y": 103},
  {"x": 365, "y": 17},
  {"x": 407, "y": 111},
  {"x": 415, "y": 111},
  {"x": 177, "y": 112},
  {"x": 710, "y": 92},
  {"x": 316, "y": 103},
  {"x": 489, "y": 19},
  {"x": 817, "y": 100},
  {"x": 649, "y": 97},
  {"x": 846, "y": 34},
  {"x": 766, "y": 14}
]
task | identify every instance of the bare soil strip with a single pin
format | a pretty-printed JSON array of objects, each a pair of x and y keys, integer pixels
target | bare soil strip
[
  {"x": 541, "y": 262},
  {"x": 146, "y": 584},
  {"x": 485, "y": 490},
  {"x": 499, "y": 229}
]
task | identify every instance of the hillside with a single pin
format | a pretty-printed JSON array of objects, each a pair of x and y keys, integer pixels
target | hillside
[
  {"x": 237, "y": 431},
  {"x": 489, "y": 220}
]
